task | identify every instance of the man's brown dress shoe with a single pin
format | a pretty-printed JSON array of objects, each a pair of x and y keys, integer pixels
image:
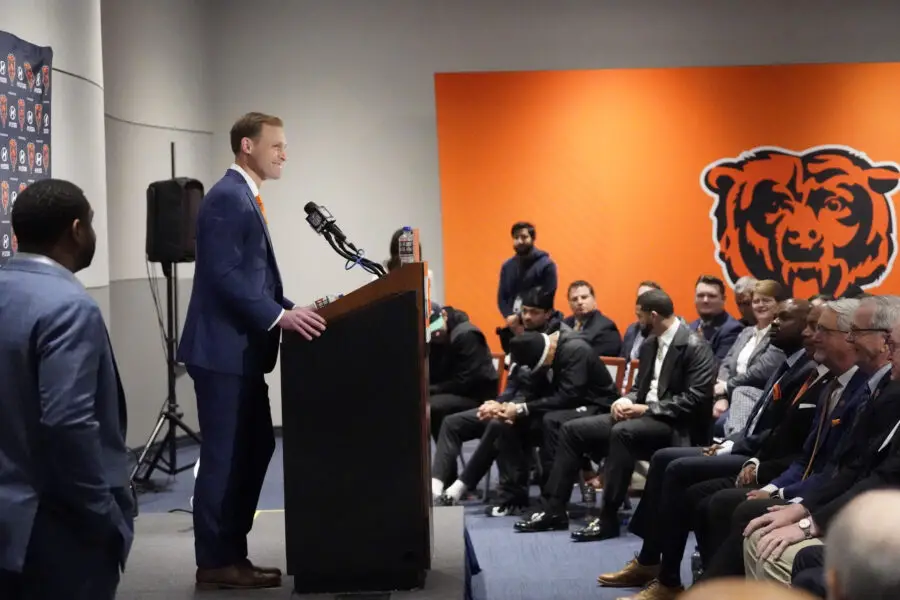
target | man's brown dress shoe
[
  {"x": 235, "y": 577},
  {"x": 274, "y": 571}
]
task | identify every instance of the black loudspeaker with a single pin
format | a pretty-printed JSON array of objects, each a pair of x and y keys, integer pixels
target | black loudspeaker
[{"x": 172, "y": 207}]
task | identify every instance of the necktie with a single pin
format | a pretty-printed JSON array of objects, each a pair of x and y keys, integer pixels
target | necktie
[
  {"x": 700, "y": 331},
  {"x": 805, "y": 387},
  {"x": 262, "y": 208},
  {"x": 578, "y": 325},
  {"x": 823, "y": 418}
]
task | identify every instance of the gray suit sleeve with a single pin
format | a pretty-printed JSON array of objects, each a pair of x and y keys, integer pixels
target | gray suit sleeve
[
  {"x": 69, "y": 346},
  {"x": 759, "y": 370}
]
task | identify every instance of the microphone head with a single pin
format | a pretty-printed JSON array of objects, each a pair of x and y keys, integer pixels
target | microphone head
[{"x": 310, "y": 208}]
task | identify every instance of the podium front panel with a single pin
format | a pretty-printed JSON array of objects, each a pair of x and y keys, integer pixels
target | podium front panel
[{"x": 357, "y": 501}]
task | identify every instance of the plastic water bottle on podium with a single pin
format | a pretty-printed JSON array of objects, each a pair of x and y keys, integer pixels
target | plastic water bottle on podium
[{"x": 407, "y": 246}]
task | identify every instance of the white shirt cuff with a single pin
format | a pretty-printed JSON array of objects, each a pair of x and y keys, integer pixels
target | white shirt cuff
[
  {"x": 275, "y": 322},
  {"x": 797, "y": 500},
  {"x": 768, "y": 489},
  {"x": 726, "y": 448},
  {"x": 752, "y": 461},
  {"x": 623, "y": 402}
]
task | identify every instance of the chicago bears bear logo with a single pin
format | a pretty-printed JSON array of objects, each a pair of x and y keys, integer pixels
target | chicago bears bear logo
[{"x": 817, "y": 221}]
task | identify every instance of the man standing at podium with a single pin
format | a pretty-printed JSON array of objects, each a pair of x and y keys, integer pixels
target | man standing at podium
[{"x": 230, "y": 341}]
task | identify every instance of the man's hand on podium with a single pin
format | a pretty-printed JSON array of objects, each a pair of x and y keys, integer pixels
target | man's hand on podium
[{"x": 304, "y": 321}]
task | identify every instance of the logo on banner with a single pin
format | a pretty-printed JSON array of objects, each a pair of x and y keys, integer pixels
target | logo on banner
[
  {"x": 4, "y": 196},
  {"x": 29, "y": 76},
  {"x": 45, "y": 72},
  {"x": 816, "y": 221},
  {"x": 45, "y": 151},
  {"x": 4, "y": 157},
  {"x": 22, "y": 187},
  {"x": 38, "y": 113},
  {"x": 13, "y": 153},
  {"x": 30, "y": 157},
  {"x": 21, "y": 105},
  {"x": 11, "y": 66},
  {"x": 3, "y": 108},
  {"x": 2, "y": 69}
]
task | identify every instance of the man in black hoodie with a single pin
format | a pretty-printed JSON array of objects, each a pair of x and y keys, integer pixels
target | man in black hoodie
[
  {"x": 461, "y": 368},
  {"x": 566, "y": 376},
  {"x": 529, "y": 268}
]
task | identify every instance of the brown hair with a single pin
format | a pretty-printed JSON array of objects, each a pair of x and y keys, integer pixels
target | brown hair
[
  {"x": 250, "y": 126},
  {"x": 772, "y": 289}
]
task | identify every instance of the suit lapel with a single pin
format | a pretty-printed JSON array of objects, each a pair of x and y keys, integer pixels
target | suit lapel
[
  {"x": 673, "y": 355},
  {"x": 760, "y": 348}
]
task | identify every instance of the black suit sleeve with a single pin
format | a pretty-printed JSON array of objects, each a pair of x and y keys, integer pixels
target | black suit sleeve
[
  {"x": 699, "y": 380},
  {"x": 605, "y": 340},
  {"x": 571, "y": 373},
  {"x": 469, "y": 354},
  {"x": 886, "y": 475}
]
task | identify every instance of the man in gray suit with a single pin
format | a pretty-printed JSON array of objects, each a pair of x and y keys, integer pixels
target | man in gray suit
[{"x": 66, "y": 521}]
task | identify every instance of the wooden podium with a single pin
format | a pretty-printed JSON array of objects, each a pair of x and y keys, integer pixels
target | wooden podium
[{"x": 356, "y": 445}]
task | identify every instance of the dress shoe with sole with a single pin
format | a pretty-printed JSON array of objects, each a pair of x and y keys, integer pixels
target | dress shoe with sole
[
  {"x": 274, "y": 571},
  {"x": 634, "y": 574},
  {"x": 235, "y": 577},
  {"x": 543, "y": 521},
  {"x": 597, "y": 530}
]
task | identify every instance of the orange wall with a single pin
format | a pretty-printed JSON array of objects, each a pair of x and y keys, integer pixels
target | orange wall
[{"x": 608, "y": 165}]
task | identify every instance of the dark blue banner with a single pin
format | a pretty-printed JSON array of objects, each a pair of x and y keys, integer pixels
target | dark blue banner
[{"x": 25, "y": 93}]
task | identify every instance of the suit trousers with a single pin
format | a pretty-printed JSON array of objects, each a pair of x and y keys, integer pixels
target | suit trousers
[
  {"x": 665, "y": 521},
  {"x": 62, "y": 562},
  {"x": 778, "y": 570},
  {"x": 442, "y": 406},
  {"x": 238, "y": 443},
  {"x": 620, "y": 443},
  {"x": 728, "y": 559},
  {"x": 808, "y": 570},
  {"x": 700, "y": 498}
]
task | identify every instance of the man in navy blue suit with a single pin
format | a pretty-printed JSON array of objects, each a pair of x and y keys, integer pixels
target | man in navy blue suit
[
  {"x": 66, "y": 513},
  {"x": 230, "y": 341}
]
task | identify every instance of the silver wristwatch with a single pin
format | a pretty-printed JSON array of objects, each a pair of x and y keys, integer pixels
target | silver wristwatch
[{"x": 806, "y": 527}]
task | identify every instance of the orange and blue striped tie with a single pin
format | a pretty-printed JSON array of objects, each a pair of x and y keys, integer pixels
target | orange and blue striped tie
[{"x": 262, "y": 209}]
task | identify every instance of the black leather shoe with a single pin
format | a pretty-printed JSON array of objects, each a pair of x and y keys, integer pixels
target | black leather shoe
[
  {"x": 543, "y": 521},
  {"x": 504, "y": 509},
  {"x": 597, "y": 530},
  {"x": 444, "y": 500}
]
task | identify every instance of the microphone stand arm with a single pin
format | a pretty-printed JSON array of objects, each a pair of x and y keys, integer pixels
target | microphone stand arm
[{"x": 343, "y": 248}]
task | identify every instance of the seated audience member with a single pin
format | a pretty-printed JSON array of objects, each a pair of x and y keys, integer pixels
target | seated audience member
[
  {"x": 751, "y": 360},
  {"x": 865, "y": 458},
  {"x": 729, "y": 511},
  {"x": 670, "y": 405},
  {"x": 529, "y": 268},
  {"x": 662, "y": 517},
  {"x": 600, "y": 332},
  {"x": 863, "y": 549},
  {"x": 393, "y": 261},
  {"x": 567, "y": 381},
  {"x": 635, "y": 334},
  {"x": 743, "y": 297},
  {"x": 715, "y": 325},
  {"x": 741, "y": 589},
  {"x": 461, "y": 368}
]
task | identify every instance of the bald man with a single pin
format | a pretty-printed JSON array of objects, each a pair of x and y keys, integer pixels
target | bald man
[
  {"x": 862, "y": 552},
  {"x": 742, "y": 589}
]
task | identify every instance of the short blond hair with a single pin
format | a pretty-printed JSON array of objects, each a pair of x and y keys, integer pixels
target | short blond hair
[{"x": 250, "y": 126}]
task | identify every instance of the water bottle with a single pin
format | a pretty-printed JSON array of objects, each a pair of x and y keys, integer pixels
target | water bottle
[{"x": 407, "y": 246}]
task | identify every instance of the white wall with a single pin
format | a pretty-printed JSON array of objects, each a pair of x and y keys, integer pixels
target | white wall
[
  {"x": 72, "y": 29},
  {"x": 353, "y": 80},
  {"x": 155, "y": 57}
]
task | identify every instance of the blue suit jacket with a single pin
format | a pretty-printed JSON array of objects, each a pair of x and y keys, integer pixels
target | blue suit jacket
[
  {"x": 839, "y": 422},
  {"x": 725, "y": 333},
  {"x": 62, "y": 412},
  {"x": 237, "y": 293}
]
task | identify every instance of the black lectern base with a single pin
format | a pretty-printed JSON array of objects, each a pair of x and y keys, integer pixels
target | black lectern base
[{"x": 373, "y": 584}]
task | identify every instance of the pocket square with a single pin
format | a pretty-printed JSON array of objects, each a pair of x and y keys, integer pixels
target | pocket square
[
  {"x": 835, "y": 422},
  {"x": 799, "y": 406}
]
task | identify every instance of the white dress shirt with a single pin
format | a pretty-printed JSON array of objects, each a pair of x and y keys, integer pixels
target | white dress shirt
[
  {"x": 746, "y": 352},
  {"x": 254, "y": 189}
]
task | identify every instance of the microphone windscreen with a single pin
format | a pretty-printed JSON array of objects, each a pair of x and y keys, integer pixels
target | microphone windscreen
[{"x": 310, "y": 208}]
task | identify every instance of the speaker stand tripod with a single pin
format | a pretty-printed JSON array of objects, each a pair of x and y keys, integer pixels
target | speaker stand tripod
[{"x": 164, "y": 454}]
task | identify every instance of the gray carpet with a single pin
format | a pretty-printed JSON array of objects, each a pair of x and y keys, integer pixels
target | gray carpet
[
  {"x": 544, "y": 566},
  {"x": 161, "y": 565}
]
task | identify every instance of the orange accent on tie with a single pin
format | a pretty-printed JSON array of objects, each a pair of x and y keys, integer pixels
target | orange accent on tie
[
  {"x": 262, "y": 209},
  {"x": 776, "y": 391}
]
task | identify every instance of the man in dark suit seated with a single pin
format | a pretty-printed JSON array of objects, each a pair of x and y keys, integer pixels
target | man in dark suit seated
[
  {"x": 775, "y": 538},
  {"x": 566, "y": 376},
  {"x": 715, "y": 325},
  {"x": 670, "y": 405},
  {"x": 460, "y": 366},
  {"x": 66, "y": 510},
  {"x": 662, "y": 519},
  {"x": 859, "y": 376},
  {"x": 595, "y": 327}
]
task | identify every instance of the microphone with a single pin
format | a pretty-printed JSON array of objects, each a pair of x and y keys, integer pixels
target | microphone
[{"x": 321, "y": 220}]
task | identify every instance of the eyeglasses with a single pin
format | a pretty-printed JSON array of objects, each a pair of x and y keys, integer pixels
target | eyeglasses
[
  {"x": 823, "y": 330},
  {"x": 859, "y": 331}
]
